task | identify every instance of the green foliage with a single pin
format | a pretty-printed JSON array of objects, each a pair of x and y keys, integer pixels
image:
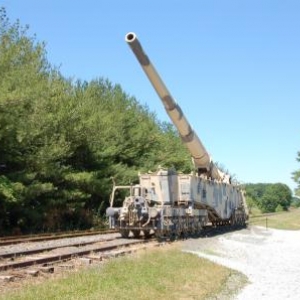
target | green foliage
[
  {"x": 296, "y": 177},
  {"x": 295, "y": 202},
  {"x": 279, "y": 208},
  {"x": 61, "y": 141},
  {"x": 9, "y": 191},
  {"x": 268, "y": 197},
  {"x": 173, "y": 154},
  {"x": 251, "y": 203}
]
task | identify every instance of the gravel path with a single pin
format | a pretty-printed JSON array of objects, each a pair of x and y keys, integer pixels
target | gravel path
[{"x": 269, "y": 258}]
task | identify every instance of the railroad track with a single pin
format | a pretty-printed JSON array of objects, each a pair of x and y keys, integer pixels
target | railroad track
[
  {"x": 11, "y": 240},
  {"x": 13, "y": 254},
  {"x": 19, "y": 260},
  {"x": 44, "y": 259}
]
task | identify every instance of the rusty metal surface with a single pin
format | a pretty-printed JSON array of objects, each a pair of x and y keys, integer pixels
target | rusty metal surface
[
  {"x": 39, "y": 249},
  {"x": 10, "y": 240},
  {"x": 69, "y": 255}
]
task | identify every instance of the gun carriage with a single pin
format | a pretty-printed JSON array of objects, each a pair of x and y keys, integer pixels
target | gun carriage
[{"x": 170, "y": 203}]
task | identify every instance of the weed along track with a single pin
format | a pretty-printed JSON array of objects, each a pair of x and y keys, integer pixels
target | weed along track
[{"x": 31, "y": 259}]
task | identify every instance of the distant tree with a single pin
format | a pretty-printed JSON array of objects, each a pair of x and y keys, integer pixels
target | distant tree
[
  {"x": 254, "y": 192},
  {"x": 295, "y": 202},
  {"x": 296, "y": 177},
  {"x": 251, "y": 203},
  {"x": 268, "y": 202},
  {"x": 284, "y": 195},
  {"x": 269, "y": 197}
]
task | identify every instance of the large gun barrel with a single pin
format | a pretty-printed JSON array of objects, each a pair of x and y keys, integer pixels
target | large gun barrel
[{"x": 201, "y": 158}]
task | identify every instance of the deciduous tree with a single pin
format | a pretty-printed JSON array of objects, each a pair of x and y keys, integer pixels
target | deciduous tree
[{"x": 296, "y": 177}]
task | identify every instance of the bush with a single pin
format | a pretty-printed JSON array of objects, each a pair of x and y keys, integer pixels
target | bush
[{"x": 279, "y": 208}]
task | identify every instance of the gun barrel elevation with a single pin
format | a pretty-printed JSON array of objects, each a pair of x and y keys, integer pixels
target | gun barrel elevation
[{"x": 201, "y": 158}]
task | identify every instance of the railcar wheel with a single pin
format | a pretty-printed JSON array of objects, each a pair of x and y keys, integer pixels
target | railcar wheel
[
  {"x": 146, "y": 233},
  {"x": 136, "y": 233},
  {"x": 124, "y": 233}
]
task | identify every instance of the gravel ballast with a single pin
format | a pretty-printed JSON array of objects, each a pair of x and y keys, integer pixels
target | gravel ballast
[{"x": 269, "y": 258}]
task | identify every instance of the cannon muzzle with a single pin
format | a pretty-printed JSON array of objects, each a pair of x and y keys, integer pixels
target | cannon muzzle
[{"x": 201, "y": 158}]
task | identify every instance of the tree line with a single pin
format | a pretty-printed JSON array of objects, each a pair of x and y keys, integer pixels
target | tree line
[
  {"x": 268, "y": 197},
  {"x": 62, "y": 140}
]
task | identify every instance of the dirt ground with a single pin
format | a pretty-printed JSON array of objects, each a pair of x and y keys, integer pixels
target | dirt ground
[{"x": 269, "y": 258}]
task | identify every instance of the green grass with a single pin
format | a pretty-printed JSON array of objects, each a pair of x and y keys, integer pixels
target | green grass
[
  {"x": 165, "y": 273},
  {"x": 289, "y": 220}
]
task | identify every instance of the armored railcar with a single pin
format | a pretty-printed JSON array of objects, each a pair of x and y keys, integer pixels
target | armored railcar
[{"x": 170, "y": 203}]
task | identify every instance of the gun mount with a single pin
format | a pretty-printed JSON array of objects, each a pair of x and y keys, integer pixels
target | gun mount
[
  {"x": 202, "y": 160},
  {"x": 174, "y": 204}
]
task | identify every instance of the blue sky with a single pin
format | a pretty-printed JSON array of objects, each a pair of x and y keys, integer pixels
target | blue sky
[{"x": 233, "y": 67}]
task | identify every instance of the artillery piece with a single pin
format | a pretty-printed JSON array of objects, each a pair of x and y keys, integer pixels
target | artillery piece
[{"x": 172, "y": 204}]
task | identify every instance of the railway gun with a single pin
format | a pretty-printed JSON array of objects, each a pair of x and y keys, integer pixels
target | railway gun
[{"x": 169, "y": 203}]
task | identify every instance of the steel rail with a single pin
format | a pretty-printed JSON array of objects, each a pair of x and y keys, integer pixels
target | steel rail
[
  {"x": 4, "y": 241},
  {"x": 67, "y": 256},
  {"x": 14, "y": 254}
]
